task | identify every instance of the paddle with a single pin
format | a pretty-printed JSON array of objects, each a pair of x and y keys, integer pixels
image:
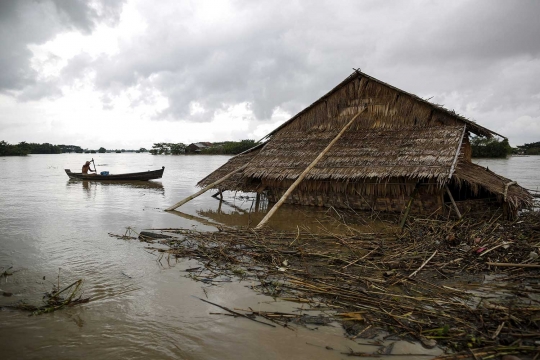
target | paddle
[{"x": 94, "y": 165}]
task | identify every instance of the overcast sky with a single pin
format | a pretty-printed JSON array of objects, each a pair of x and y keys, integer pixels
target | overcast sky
[{"x": 126, "y": 74}]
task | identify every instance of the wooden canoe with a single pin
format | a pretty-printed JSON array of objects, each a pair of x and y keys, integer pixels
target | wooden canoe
[{"x": 140, "y": 176}]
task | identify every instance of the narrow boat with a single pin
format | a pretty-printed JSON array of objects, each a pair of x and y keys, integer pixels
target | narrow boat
[{"x": 141, "y": 176}]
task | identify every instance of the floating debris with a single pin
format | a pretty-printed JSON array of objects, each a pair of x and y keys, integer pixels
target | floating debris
[
  {"x": 5, "y": 273},
  {"x": 53, "y": 300},
  {"x": 429, "y": 283}
]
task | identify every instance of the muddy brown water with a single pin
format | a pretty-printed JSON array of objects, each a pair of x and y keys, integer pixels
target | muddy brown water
[{"x": 52, "y": 228}]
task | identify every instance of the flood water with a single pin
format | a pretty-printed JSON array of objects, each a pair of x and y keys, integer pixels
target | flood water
[
  {"x": 523, "y": 169},
  {"x": 53, "y": 229}
]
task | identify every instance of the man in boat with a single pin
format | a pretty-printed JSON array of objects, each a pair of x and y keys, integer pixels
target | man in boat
[{"x": 86, "y": 168}]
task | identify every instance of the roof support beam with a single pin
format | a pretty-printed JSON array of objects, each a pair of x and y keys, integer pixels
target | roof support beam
[
  {"x": 305, "y": 172},
  {"x": 453, "y": 167}
]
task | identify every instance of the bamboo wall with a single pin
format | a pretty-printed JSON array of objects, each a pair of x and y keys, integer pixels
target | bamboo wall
[
  {"x": 425, "y": 202},
  {"x": 428, "y": 200}
]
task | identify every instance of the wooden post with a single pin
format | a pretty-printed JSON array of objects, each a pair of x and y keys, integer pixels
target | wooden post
[
  {"x": 453, "y": 202},
  {"x": 305, "y": 172},
  {"x": 189, "y": 198},
  {"x": 409, "y": 205},
  {"x": 257, "y": 202},
  {"x": 219, "y": 206}
]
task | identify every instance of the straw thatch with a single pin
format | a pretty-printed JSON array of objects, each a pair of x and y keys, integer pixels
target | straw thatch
[
  {"x": 397, "y": 142},
  {"x": 479, "y": 178},
  {"x": 419, "y": 153},
  {"x": 387, "y": 106},
  {"x": 237, "y": 182}
]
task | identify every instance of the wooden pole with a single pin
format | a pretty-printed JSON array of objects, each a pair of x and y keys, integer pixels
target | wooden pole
[
  {"x": 534, "y": 266},
  {"x": 453, "y": 202},
  {"x": 305, "y": 172},
  {"x": 409, "y": 205},
  {"x": 257, "y": 202},
  {"x": 212, "y": 185}
]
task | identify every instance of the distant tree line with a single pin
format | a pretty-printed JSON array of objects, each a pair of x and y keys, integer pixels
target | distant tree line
[
  {"x": 168, "y": 149},
  {"x": 24, "y": 148},
  {"x": 7, "y": 149},
  {"x": 490, "y": 148},
  {"x": 528, "y": 149},
  {"x": 229, "y": 147},
  {"x": 226, "y": 147}
]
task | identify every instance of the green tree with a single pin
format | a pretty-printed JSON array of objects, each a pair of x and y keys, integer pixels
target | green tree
[
  {"x": 160, "y": 149},
  {"x": 102, "y": 150},
  {"x": 24, "y": 146},
  {"x": 177, "y": 149},
  {"x": 490, "y": 148},
  {"x": 529, "y": 149},
  {"x": 44, "y": 148},
  {"x": 7, "y": 149},
  {"x": 230, "y": 147},
  {"x": 168, "y": 149}
]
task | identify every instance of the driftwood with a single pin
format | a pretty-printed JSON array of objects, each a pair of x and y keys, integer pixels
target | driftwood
[
  {"x": 386, "y": 280},
  {"x": 424, "y": 264},
  {"x": 534, "y": 266},
  {"x": 212, "y": 185},
  {"x": 234, "y": 312}
]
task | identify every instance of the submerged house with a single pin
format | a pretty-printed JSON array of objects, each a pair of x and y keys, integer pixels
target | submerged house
[
  {"x": 197, "y": 147},
  {"x": 399, "y": 149}
]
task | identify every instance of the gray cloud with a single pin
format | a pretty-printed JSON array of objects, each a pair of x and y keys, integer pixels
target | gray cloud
[
  {"x": 489, "y": 49},
  {"x": 481, "y": 58},
  {"x": 289, "y": 55},
  {"x": 27, "y": 22},
  {"x": 262, "y": 61}
]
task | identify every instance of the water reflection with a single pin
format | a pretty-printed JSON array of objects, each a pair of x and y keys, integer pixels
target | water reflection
[
  {"x": 248, "y": 212},
  {"x": 194, "y": 218},
  {"x": 88, "y": 185}
]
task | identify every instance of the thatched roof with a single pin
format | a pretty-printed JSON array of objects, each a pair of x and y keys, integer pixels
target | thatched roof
[
  {"x": 419, "y": 153},
  {"x": 478, "y": 177},
  {"x": 235, "y": 182},
  {"x": 361, "y": 89},
  {"x": 396, "y": 135}
]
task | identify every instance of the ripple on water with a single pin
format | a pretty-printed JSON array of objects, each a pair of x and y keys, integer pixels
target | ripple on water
[{"x": 139, "y": 307}]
